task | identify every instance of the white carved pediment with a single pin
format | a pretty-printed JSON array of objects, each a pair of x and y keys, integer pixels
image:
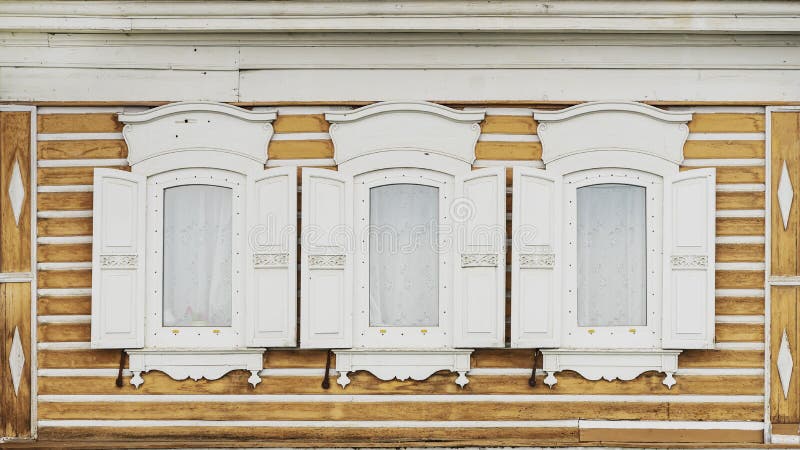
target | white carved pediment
[
  {"x": 402, "y": 364},
  {"x": 610, "y": 364},
  {"x": 185, "y": 126},
  {"x": 420, "y": 126},
  {"x": 196, "y": 364},
  {"x": 616, "y": 126}
]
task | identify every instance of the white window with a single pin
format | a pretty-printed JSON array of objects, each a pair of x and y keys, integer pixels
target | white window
[
  {"x": 403, "y": 263},
  {"x": 194, "y": 249},
  {"x": 613, "y": 247}
]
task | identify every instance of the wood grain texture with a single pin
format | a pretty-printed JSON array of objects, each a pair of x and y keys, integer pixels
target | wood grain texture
[
  {"x": 509, "y": 125},
  {"x": 746, "y": 306},
  {"x": 93, "y": 149},
  {"x": 740, "y": 253},
  {"x": 743, "y": 174},
  {"x": 740, "y": 200},
  {"x": 300, "y": 149},
  {"x": 785, "y": 147},
  {"x": 64, "y": 252},
  {"x": 61, "y": 176},
  {"x": 520, "y": 151},
  {"x": 301, "y": 123},
  {"x": 784, "y": 302},
  {"x": 15, "y": 148},
  {"x": 740, "y": 226},
  {"x": 724, "y": 149},
  {"x": 644, "y": 435},
  {"x": 739, "y": 332},
  {"x": 78, "y": 305},
  {"x": 727, "y": 123},
  {"x": 64, "y": 201},
  {"x": 739, "y": 279},
  {"x": 64, "y": 332},
  {"x": 15, "y": 314},
  {"x": 51, "y": 227},
  {"x": 64, "y": 279},
  {"x": 78, "y": 123},
  {"x": 721, "y": 358}
]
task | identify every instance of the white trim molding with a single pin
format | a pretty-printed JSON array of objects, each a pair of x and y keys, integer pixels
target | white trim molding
[
  {"x": 196, "y": 364},
  {"x": 389, "y": 364},
  {"x": 610, "y": 364}
]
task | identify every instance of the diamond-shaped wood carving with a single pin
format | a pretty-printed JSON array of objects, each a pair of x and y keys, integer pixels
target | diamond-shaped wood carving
[
  {"x": 16, "y": 360},
  {"x": 785, "y": 364},
  {"x": 785, "y": 195},
  {"x": 16, "y": 191}
]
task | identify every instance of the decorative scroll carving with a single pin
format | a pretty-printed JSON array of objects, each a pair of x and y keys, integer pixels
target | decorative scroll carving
[
  {"x": 606, "y": 364},
  {"x": 265, "y": 260},
  {"x": 689, "y": 261},
  {"x": 403, "y": 364},
  {"x": 119, "y": 261},
  {"x": 195, "y": 364},
  {"x": 537, "y": 260},
  {"x": 479, "y": 260},
  {"x": 326, "y": 261}
]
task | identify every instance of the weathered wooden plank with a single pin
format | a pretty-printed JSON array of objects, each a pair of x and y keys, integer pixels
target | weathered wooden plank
[
  {"x": 396, "y": 410},
  {"x": 739, "y": 279},
  {"x": 77, "y": 226},
  {"x": 64, "y": 252},
  {"x": 727, "y": 123},
  {"x": 522, "y": 151},
  {"x": 64, "y": 279},
  {"x": 78, "y": 123},
  {"x": 724, "y": 149},
  {"x": 743, "y": 174},
  {"x": 740, "y": 226},
  {"x": 15, "y": 150},
  {"x": 15, "y": 313},
  {"x": 721, "y": 358},
  {"x": 509, "y": 125},
  {"x": 63, "y": 332},
  {"x": 301, "y": 123},
  {"x": 740, "y": 253},
  {"x": 94, "y": 149},
  {"x": 300, "y": 149},
  {"x": 785, "y": 148},
  {"x": 645, "y": 435},
  {"x": 61, "y": 176},
  {"x": 784, "y": 303},
  {"x": 77, "y": 359},
  {"x": 64, "y": 201},
  {"x": 746, "y": 306},
  {"x": 79, "y": 305},
  {"x": 740, "y": 200},
  {"x": 739, "y": 332},
  {"x": 503, "y": 358}
]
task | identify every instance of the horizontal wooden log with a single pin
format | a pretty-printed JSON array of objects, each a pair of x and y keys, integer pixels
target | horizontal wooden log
[
  {"x": 740, "y": 306},
  {"x": 78, "y": 123},
  {"x": 739, "y": 279},
  {"x": 645, "y": 435},
  {"x": 399, "y": 410},
  {"x": 79, "y": 305},
  {"x": 73, "y": 226},
  {"x": 739, "y": 332},
  {"x": 724, "y": 149},
  {"x": 61, "y": 176},
  {"x": 740, "y": 252},
  {"x": 721, "y": 358},
  {"x": 509, "y": 125},
  {"x": 64, "y": 201},
  {"x": 743, "y": 174},
  {"x": 740, "y": 226},
  {"x": 64, "y": 332},
  {"x": 727, "y": 123},
  {"x": 300, "y": 149},
  {"x": 523, "y": 151},
  {"x": 64, "y": 279},
  {"x": 740, "y": 200},
  {"x": 93, "y": 149},
  {"x": 301, "y": 123},
  {"x": 64, "y": 253}
]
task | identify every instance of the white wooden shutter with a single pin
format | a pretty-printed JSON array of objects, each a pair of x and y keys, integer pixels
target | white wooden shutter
[
  {"x": 272, "y": 258},
  {"x": 689, "y": 245},
  {"x": 536, "y": 259},
  {"x": 118, "y": 245},
  {"x": 479, "y": 307},
  {"x": 326, "y": 264}
]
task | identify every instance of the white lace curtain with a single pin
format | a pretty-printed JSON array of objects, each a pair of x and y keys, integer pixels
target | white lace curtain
[
  {"x": 197, "y": 256},
  {"x": 612, "y": 255},
  {"x": 403, "y": 256}
]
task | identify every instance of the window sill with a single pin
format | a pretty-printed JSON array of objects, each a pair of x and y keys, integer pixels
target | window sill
[
  {"x": 610, "y": 364},
  {"x": 181, "y": 364},
  {"x": 389, "y": 364}
]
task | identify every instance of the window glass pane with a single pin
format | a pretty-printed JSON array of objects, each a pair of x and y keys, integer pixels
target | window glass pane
[
  {"x": 197, "y": 256},
  {"x": 612, "y": 255},
  {"x": 403, "y": 256}
]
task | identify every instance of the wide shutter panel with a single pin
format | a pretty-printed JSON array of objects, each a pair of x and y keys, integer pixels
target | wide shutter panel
[
  {"x": 479, "y": 216},
  {"x": 272, "y": 258},
  {"x": 536, "y": 258},
  {"x": 326, "y": 260},
  {"x": 689, "y": 245},
  {"x": 118, "y": 283}
]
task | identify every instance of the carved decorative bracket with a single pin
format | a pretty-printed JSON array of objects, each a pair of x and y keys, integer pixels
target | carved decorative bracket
[
  {"x": 610, "y": 364},
  {"x": 196, "y": 364},
  {"x": 392, "y": 364}
]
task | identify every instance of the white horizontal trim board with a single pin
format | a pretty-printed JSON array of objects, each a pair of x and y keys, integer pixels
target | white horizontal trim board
[
  {"x": 64, "y": 240},
  {"x": 739, "y": 293},
  {"x": 45, "y": 110},
  {"x": 66, "y": 292},
  {"x": 754, "y": 319},
  {"x": 537, "y": 164},
  {"x": 744, "y": 346},
  {"x": 713, "y": 372},
  {"x": 718, "y": 109},
  {"x": 784, "y": 281},
  {"x": 301, "y": 137},
  {"x": 66, "y": 188},
  {"x": 82, "y": 162},
  {"x": 16, "y": 277},
  {"x": 726, "y": 136},
  {"x": 64, "y": 318},
  {"x": 78, "y": 136},
  {"x": 743, "y": 187},
  {"x": 732, "y": 162},
  {"x": 64, "y": 214},
  {"x": 65, "y": 266},
  {"x": 438, "y": 398},
  {"x": 313, "y": 423},
  {"x": 740, "y": 266},
  {"x": 668, "y": 425},
  {"x": 785, "y": 439},
  {"x": 525, "y": 112},
  {"x": 740, "y": 240},
  {"x": 64, "y": 345},
  {"x": 498, "y": 137},
  {"x": 302, "y": 110},
  {"x": 301, "y": 162},
  {"x": 741, "y": 213}
]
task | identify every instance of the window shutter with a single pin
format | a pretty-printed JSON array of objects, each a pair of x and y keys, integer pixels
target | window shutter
[
  {"x": 689, "y": 246},
  {"x": 536, "y": 258},
  {"x": 326, "y": 260},
  {"x": 118, "y": 283},
  {"x": 479, "y": 218},
  {"x": 272, "y": 258}
]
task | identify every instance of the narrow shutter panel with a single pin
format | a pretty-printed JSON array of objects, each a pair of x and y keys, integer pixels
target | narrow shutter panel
[
  {"x": 326, "y": 260},
  {"x": 536, "y": 258},
  {"x": 479, "y": 216},
  {"x": 118, "y": 283},
  {"x": 689, "y": 245},
  {"x": 272, "y": 258}
]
